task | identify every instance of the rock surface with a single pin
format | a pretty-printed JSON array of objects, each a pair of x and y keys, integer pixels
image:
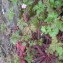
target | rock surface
[{"x": 6, "y": 47}]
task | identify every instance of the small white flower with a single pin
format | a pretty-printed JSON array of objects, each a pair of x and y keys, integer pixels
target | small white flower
[
  {"x": 24, "y": 6},
  {"x": 41, "y": 34},
  {"x": 2, "y": 10}
]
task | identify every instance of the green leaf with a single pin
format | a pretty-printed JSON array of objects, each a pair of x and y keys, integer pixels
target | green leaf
[
  {"x": 51, "y": 1},
  {"x": 44, "y": 29},
  {"x": 55, "y": 46},
  {"x": 39, "y": 7},
  {"x": 10, "y": 14},
  {"x": 51, "y": 17},
  {"x": 53, "y": 32},
  {"x": 3, "y": 27},
  {"x": 58, "y": 25},
  {"x": 59, "y": 50},
  {"x": 15, "y": 37},
  {"x": 58, "y": 3}
]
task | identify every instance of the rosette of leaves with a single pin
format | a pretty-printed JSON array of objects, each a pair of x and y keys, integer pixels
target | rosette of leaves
[
  {"x": 56, "y": 46},
  {"x": 27, "y": 34},
  {"x": 39, "y": 7},
  {"x": 48, "y": 30},
  {"x": 51, "y": 17},
  {"x": 53, "y": 29},
  {"x": 58, "y": 24}
]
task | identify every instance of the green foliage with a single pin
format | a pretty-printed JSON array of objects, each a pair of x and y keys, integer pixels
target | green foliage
[
  {"x": 40, "y": 42},
  {"x": 32, "y": 27},
  {"x": 52, "y": 2},
  {"x": 51, "y": 17},
  {"x": 25, "y": 38},
  {"x": 58, "y": 25},
  {"x": 16, "y": 59},
  {"x": 35, "y": 42},
  {"x": 56, "y": 3},
  {"x": 3, "y": 27},
  {"x": 48, "y": 30},
  {"x": 42, "y": 17},
  {"x": 32, "y": 43},
  {"x": 35, "y": 21},
  {"x": 39, "y": 7},
  {"x": 14, "y": 1},
  {"x": 29, "y": 57},
  {"x": 55, "y": 46},
  {"x": 53, "y": 29},
  {"x": 15, "y": 37},
  {"x": 62, "y": 18},
  {"x": 44, "y": 29},
  {"x": 45, "y": 13},
  {"x": 21, "y": 24},
  {"x": 28, "y": 2},
  {"x": 10, "y": 14},
  {"x": 58, "y": 49}
]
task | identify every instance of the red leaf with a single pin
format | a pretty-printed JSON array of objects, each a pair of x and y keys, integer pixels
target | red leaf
[
  {"x": 20, "y": 49},
  {"x": 22, "y": 61},
  {"x": 15, "y": 28}
]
